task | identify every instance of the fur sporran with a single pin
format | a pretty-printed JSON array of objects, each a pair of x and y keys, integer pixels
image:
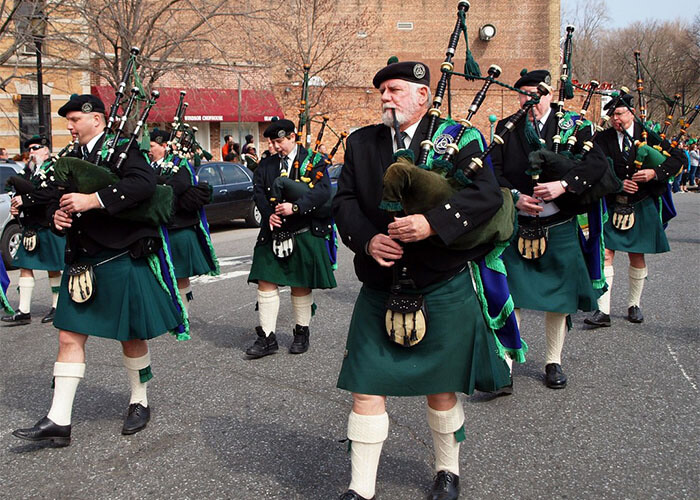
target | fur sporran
[
  {"x": 405, "y": 319},
  {"x": 81, "y": 282},
  {"x": 623, "y": 215},
  {"x": 532, "y": 241},
  {"x": 30, "y": 240},
  {"x": 282, "y": 244}
]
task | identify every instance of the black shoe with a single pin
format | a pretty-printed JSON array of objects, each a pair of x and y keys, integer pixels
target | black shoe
[
  {"x": 353, "y": 495},
  {"x": 634, "y": 315},
  {"x": 598, "y": 319},
  {"x": 46, "y": 430},
  {"x": 445, "y": 486},
  {"x": 49, "y": 316},
  {"x": 263, "y": 345},
  {"x": 554, "y": 378},
  {"x": 18, "y": 318},
  {"x": 301, "y": 340},
  {"x": 137, "y": 417}
]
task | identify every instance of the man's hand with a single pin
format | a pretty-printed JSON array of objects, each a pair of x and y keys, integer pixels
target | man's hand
[
  {"x": 629, "y": 186},
  {"x": 549, "y": 190},
  {"x": 62, "y": 220},
  {"x": 275, "y": 221},
  {"x": 15, "y": 203},
  {"x": 384, "y": 250},
  {"x": 410, "y": 228},
  {"x": 284, "y": 209},
  {"x": 75, "y": 203},
  {"x": 528, "y": 204},
  {"x": 644, "y": 175}
]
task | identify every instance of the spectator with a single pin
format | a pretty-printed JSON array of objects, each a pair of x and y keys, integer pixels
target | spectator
[
  {"x": 694, "y": 161},
  {"x": 5, "y": 157},
  {"x": 248, "y": 144},
  {"x": 226, "y": 148}
]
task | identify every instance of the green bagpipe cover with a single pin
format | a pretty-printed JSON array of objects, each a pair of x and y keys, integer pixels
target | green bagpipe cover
[
  {"x": 418, "y": 189},
  {"x": 285, "y": 189},
  {"x": 85, "y": 177}
]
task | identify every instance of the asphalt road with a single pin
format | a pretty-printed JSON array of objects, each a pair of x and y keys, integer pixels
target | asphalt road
[{"x": 227, "y": 427}]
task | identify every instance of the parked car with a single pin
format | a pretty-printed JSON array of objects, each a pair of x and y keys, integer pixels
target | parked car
[
  {"x": 10, "y": 233},
  {"x": 232, "y": 196}
]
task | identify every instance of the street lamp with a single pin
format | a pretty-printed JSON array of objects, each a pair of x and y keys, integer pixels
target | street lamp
[{"x": 38, "y": 23}]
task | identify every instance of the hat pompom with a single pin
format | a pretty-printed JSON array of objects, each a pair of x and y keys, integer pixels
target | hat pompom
[
  {"x": 523, "y": 72},
  {"x": 73, "y": 96},
  {"x": 392, "y": 60}
]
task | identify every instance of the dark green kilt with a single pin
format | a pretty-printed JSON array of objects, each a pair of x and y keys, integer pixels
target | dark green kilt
[
  {"x": 48, "y": 255},
  {"x": 128, "y": 302},
  {"x": 187, "y": 254},
  {"x": 556, "y": 282},
  {"x": 309, "y": 266},
  {"x": 457, "y": 354},
  {"x": 646, "y": 236}
]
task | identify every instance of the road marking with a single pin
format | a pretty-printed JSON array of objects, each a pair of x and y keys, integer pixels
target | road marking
[
  {"x": 235, "y": 261},
  {"x": 222, "y": 276},
  {"x": 680, "y": 366}
]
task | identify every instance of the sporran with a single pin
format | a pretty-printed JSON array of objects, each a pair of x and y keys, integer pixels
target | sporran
[
  {"x": 623, "y": 215},
  {"x": 532, "y": 241},
  {"x": 282, "y": 244},
  {"x": 406, "y": 319},
  {"x": 30, "y": 240}
]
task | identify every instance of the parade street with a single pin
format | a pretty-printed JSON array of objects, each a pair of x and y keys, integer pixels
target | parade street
[{"x": 224, "y": 426}]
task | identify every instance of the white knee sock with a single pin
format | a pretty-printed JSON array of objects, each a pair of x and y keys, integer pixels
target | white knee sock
[
  {"x": 55, "y": 284},
  {"x": 268, "y": 308},
  {"x": 443, "y": 426},
  {"x": 66, "y": 379},
  {"x": 604, "y": 300},
  {"x": 139, "y": 373},
  {"x": 555, "y": 331},
  {"x": 367, "y": 434},
  {"x": 184, "y": 292},
  {"x": 302, "y": 309},
  {"x": 26, "y": 288},
  {"x": 637, "y": 276}
]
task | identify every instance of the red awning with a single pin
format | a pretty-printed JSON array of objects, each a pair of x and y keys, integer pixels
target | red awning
[{"x": 207, "y": 105}]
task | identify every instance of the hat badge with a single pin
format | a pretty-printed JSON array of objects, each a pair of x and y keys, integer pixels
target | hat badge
[
  {"x": 281, "y": 133},
  {"x": 419, "y": 71},
  {"x": 548, "y": 80},
  {"x": 86, "y": 108}
]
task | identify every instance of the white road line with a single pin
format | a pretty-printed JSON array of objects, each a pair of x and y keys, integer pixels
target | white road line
[
  {"x": 235, "y": 261},
  {"x": 680, "y": 366},
  {"x": 222, "y": 276}
]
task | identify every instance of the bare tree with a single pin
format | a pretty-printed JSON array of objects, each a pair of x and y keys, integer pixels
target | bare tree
[{"x": 589, "y": 20}]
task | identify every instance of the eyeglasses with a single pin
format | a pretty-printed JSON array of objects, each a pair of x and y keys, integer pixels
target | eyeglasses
[{"x": 36, "y": 147}]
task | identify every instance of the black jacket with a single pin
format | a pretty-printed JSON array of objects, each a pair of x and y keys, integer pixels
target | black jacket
[
  {"x": 181, "y": 182},
  {"x": 35, "y": 203},
  {"x": 98, "y": 229},
  {"x": 510, "y": 163},
  {"x": 356, "y": 210},
  {"x": 265, "y": 174},
  {"x": 608, "y": 142}
]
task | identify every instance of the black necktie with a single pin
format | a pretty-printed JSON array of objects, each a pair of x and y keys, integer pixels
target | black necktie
[
  {"x": 626, "y": 148},
  {"x": 85, "y": 152},
  {"x": 283, "y": 164}
]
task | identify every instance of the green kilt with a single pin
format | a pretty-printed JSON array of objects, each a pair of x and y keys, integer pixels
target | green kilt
[
  {"x": 48, "y": 255},
  {"x": 128, "y": 302},
  {"x": 187, "y": 254},
  {"x": 646, "y": 236},
  {"x": 556, "y": 282},
  {"x": 309, "y": 266},
  {"x": 457, "y": 354}
]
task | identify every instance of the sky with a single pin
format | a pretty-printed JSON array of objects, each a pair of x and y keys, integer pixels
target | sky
[{"x": 625, "y": 12}]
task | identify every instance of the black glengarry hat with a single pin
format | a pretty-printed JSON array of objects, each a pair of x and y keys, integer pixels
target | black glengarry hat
[
  {"x": 37, "y": 139},
  {"x": 159, "y": 136},
  {"x": 279, "y": 128},
  {"x": 622, "y": 101},
  {"x": 410, "y": 71},
  {"x": 85, "y": 103},
  {"x": 533, "y": 78}
]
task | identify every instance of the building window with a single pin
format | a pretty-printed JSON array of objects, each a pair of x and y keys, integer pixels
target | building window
[{"x": 29, "y": 117}]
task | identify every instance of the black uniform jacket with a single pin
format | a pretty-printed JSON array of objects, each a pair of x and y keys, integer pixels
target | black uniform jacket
[
  {"x": 608, "y": 142},
  {"x": 98, "y": 229},
  {"x": 180, "y": 181},
  {"x": 510, "y": 162},
  {"x": 34, "y": 204},
  {"x": 356, "y": 210},
  {"x": 265, "y": 175}
]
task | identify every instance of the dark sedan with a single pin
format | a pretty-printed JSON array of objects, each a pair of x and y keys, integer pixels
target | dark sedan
[{"x": 232, "y": 196}]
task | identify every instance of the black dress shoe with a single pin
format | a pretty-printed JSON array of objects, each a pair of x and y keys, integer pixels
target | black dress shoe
[
  {"x": 18, "y": 318},
  {"x": 137, "y": 418},
  {"x": 46, "y": 430},
  {"x": 49, "y": 316},
  {"x": 353, "y": 495},
  {"x": 598, "y": 319},
  {"x": 554, "y": 378},
  {"x": 445, "y": 486},
  {"x": 301, "y": 340},
  {"x": 263, "y": 345},
  {"x": 634, "y": 315}
]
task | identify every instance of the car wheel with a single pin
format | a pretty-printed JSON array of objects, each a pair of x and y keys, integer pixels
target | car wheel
[
  {"x": 9, "y": 243},
  {"x": 254, "y": 217}
]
